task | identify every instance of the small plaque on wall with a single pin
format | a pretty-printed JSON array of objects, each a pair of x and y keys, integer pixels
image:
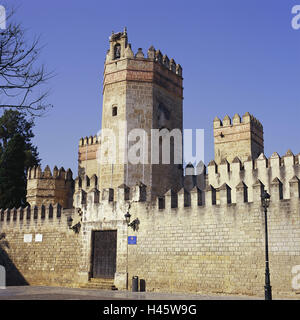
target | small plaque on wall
[
  {"x": 38, "y": 237},
  {"x": 132, "y": 240},
  {"x": 27, "y": 237}
]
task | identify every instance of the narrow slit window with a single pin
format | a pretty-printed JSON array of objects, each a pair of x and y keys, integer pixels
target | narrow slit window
[{"x": 114, "y": 111}]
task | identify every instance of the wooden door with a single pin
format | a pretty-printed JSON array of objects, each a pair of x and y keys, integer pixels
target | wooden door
[{"x": 104, "y": 254}]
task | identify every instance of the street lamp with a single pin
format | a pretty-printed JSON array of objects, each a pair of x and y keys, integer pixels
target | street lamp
[
  {"x": 134, "y": 224},
  {"x": 127, "y": 217},
  {"x": 265, "y": 202},
  {"x": 76, "y": 227}
]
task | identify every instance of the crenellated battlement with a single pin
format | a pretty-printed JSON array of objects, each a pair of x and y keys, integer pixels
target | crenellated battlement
[
  {"x": 233, "y": 182},
  {"x": 121, "y": 49},
  {"x": 32, "y": 216},
  {"x": 164, "y": 60},
  {"x": 37, "y": 173},
  {"x": 91, "y": 140},
  {"x": 87, "y": 155},
  {"x": 238, "y": 183},
  {"x": 248, "y": 172},
  {"x": 237, "y": 120},
  {"x": 87, "y": 192}
]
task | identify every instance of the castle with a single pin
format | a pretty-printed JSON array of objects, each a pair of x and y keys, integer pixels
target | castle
[{"x": 202, "y": 231}]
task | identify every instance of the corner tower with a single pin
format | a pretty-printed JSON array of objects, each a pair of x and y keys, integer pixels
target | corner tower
[
  {"x": 140, "y": 92},
  {"x": 241, "y": 138},
  {"x": 44, "y": 188}
]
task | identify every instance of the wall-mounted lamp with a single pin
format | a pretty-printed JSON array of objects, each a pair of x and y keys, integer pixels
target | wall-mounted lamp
[
  {"x": 265, "y": 199},
  {"x": 3, "y": 242},
  {"x": 134, "y": 224},
  {"x": 76, "y": 227}
]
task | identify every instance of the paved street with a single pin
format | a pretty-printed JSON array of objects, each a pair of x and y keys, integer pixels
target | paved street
[
  {"x": 59, "y": 293},
  {"x": 73, "y": 303}
]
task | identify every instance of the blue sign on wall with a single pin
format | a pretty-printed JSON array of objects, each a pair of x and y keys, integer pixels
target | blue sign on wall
[{"x": 132, "y": 240}]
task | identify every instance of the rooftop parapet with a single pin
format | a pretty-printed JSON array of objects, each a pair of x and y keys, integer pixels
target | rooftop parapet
[
  {"x": 233, "y": 174},
  {"x": 43, "y": 216},
  {"x": 31, "y": 215},
  {"x": 37, "y": 173},
  {"x": 164, "y": 60},
  {"x": 237, "y": 120},
  {"x": 234, "y": 183},
  {"x": 248, "y": 171},
  {"x": 120, "y": 48},
  {"x": 223, "y": 194},
  {"x": 91, "y": 140}
]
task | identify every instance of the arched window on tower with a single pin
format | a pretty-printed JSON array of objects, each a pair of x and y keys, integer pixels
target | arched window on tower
[
  {"x": 163, "y": 116},
  {"x": 117, "y": 51}
]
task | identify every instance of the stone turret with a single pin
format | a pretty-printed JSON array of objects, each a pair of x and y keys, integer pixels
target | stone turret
[
  {"x": 44, "y": 188},
  {"x": 238, "y": 137},
  {"x": 87, "y": 156}
]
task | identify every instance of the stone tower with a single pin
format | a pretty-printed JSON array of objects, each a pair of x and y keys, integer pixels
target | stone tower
[
  {"x": 241, "y": 138},
  {"x": 44, "y": 188},
  {"x": 139, "y": 92}
]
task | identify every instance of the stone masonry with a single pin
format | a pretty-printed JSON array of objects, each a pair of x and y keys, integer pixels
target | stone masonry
[
  {"x": 238, "y": 138},
  {"x": 146, "y": 93},
  {"x": 44, "y": 188}
]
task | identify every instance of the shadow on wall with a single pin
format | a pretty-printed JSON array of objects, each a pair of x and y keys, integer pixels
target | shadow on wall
[{"x": 13, "y": 275}]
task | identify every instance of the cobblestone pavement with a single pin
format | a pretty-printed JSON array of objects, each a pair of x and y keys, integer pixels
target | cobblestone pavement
[{"x": 59, "y": 293}]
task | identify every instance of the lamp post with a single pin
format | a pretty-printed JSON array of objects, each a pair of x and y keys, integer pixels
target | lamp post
[
  {"x": 127, "y": 217},
  {"x": 265, "y": 202},
  {"x": 76, "y": 227},
  {"x": 134, "y": 225}
]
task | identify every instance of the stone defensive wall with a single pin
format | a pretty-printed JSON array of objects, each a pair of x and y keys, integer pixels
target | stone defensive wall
[
  {"x": 38, "y": 248},
  {"x": 206, "y": 238}
]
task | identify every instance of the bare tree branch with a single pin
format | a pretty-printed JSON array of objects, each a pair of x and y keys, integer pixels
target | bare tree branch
[{"x": 20, "y": 77}]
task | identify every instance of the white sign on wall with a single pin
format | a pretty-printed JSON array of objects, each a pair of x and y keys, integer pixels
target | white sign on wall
[
  {"x": 38, "y": 237},
  {"x": 27, "y": 237}
]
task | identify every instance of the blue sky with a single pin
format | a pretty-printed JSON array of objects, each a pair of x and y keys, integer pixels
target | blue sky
[{"x": 236, "y": 55}]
